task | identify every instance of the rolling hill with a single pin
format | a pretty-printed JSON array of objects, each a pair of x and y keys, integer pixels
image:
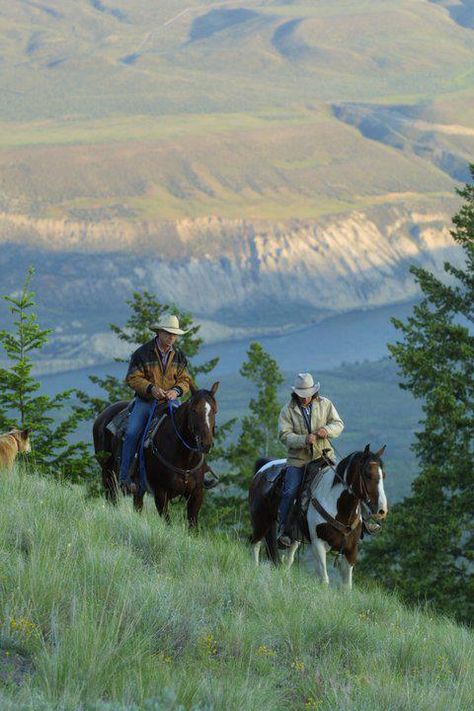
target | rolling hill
[{"x": 259, "y": 146}]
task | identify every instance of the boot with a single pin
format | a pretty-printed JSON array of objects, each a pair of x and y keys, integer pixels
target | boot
[
  {"x": 127, "y": 484},
  {"x": 284, "y": 540}
]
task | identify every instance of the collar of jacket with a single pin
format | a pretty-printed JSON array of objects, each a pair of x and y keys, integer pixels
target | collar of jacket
[
  {"x": 295, "y": 406},
  {"x": 169, "y": 356}
]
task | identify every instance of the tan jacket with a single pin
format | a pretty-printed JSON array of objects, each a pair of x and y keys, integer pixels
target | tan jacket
[
  {"x": 145, "y": 370},
  {"x": 292, "y": 430}
]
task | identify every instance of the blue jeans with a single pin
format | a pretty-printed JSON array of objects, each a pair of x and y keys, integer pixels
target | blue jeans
[
  {"x": 136, "y": 424},
  {"x": 293, "y": 478}
]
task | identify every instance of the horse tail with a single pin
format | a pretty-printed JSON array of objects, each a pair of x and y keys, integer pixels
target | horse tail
[
  {"x": 260, "y": 463},
  {"x": 272, "y": 545}
]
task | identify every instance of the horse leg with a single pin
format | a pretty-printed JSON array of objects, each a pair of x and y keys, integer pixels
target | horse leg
[
  {"x": 345, "y": 568},
  {"x": 256, "y": 551},
  {"x": 290, "y": 555},
  {"x": 161, "y": 503},
  {"x": 319, "y": 548},
  {"x": 138, "y": 502},
  {"x": 193, "y": 507},
  {"x": 109, "y": 482}
]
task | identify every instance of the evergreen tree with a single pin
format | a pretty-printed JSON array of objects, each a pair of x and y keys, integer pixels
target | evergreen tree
[
  {"x": 258, "y": 435},
  {"x": 21, "y": 404},
  {"x": 427, "y": 548}
]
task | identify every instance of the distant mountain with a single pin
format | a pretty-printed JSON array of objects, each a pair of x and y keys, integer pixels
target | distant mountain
[{"x": 262, "y": 162}]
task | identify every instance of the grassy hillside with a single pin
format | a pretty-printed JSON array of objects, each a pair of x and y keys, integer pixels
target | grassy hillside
[{"x": 106, "y": 610}]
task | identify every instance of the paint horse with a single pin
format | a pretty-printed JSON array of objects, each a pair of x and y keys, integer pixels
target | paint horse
[
  {"x": 334, "y": 516},
  {"x": 174, "y": 462}
]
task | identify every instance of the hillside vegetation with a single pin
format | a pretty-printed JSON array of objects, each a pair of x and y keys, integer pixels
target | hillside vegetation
[{"x": 103, "y": 609}]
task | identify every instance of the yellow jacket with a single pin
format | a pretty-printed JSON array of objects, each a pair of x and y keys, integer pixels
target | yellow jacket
[{"x": 145, "y": 370}]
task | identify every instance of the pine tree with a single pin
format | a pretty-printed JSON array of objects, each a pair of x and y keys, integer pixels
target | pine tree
[
  {"x": 427, "y": 548},
  {"x": 259, "y": 432},
  {"x": 21, "y": 404}
]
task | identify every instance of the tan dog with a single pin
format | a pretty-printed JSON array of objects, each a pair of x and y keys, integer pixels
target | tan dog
[{"x": 10, "y": 444}]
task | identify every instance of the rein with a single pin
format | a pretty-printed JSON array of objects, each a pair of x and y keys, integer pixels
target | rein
[
  {"x": 156, "y": 453},
  {"x": 178, "y": 433}
]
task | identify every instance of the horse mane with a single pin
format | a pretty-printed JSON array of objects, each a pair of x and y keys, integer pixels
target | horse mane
[{"x": 340, "y": 468}]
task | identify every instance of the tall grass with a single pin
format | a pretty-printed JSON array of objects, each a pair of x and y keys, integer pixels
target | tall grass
[{"x": 106, "y": 609}]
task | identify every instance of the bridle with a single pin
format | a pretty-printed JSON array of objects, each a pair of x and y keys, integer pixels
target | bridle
[
  {"x": 363, "y": 498},
  {"x": 198, "y": 449},
  {"x": 364, "y": 495}
]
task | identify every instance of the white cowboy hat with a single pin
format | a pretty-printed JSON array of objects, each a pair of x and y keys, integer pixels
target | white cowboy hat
[
  {"x": 170, "y": 324},
  {"x": 304, "y": 385}
]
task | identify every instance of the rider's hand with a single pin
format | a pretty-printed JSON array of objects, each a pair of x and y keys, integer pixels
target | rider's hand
[
  {"x": 311, "y": 439},
  {"x": 158, "y": 393},
  {"x": 171, "y": 394},
  {"x": 322, "y": 433}
]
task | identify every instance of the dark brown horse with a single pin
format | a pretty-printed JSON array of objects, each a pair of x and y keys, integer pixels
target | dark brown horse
[
  {"x": 174, "y": 462},
  {"x": 334, "y": 517}
]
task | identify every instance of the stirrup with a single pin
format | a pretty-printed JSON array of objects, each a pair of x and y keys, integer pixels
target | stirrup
[
  {"x": 210, "y": 480},
  {"x": 371, "y": 528}
]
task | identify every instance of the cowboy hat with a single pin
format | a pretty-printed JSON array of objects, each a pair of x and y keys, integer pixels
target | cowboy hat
[
  {"x": 170, "y": 324},
  {"x": 304, "y": 385}
]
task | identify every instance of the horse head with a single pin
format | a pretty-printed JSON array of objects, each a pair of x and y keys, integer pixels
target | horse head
[
  {"x": 368, "y": 478},
  {"x": 202, "y": 409}
]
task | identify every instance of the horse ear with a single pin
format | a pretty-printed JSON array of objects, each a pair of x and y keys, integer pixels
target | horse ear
[
  {"x": 192, "y": 388},
  {"x": 380, "y": 452},
  {"x": 367, "y": 449},
  {"x": 214, "y": 388}
]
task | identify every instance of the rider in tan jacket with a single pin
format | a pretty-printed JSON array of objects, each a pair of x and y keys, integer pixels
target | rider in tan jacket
[
  {"x": 293, "y": 431},
  {"x": 305, "y": 426}
]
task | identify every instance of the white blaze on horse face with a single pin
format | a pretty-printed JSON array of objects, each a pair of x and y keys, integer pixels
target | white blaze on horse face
[
  {"x": 382, "y": 506},
  {"x": 207, "y": 412}
]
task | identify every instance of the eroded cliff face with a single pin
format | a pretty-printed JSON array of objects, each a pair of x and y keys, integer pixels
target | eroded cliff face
[{"x": 232, "y": 275}]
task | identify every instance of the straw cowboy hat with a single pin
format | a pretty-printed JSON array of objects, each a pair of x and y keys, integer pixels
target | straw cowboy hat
[
  {"x": 304, "y": 385},
  {"x": 170, "y": 324}
]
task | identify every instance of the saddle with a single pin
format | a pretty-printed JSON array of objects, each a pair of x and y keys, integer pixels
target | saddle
[
  {"x": 118, "y": 424},
  {"x": 272, "y": 481}
]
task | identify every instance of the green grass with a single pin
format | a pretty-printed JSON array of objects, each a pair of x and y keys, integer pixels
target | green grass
[{"x": 105, "y": 609}]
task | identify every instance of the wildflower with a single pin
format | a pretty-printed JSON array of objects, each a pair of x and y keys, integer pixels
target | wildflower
[
  {"x": 23, "y": 626},
  {"x": 164, "y": 657},
  {"x": 210, "y": 644},
  {"x": 264, "y": 651},
  {"x": 298, "y": 666},
  {"x": 312, "y": 703}
]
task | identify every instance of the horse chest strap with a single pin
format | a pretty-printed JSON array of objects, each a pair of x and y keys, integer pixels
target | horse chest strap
[{"x": 343, "y": 528}]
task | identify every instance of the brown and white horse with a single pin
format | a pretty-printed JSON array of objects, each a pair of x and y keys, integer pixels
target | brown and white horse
[
  {"x": 334, "y": 517},
  {"x": 174, "y": 462}
]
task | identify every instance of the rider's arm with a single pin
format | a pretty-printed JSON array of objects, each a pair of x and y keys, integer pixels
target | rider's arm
[
  {"x": 286, "y": 434},
  {"x": 334, "y": 425},
  {"x": 183, "y": 381},
  {"x": 136, "y": 379}
]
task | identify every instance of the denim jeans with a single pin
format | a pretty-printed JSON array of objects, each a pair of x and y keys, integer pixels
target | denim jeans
[
  {"x": 136, "y": 424},
  {"x": 293, "y": 478}
]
